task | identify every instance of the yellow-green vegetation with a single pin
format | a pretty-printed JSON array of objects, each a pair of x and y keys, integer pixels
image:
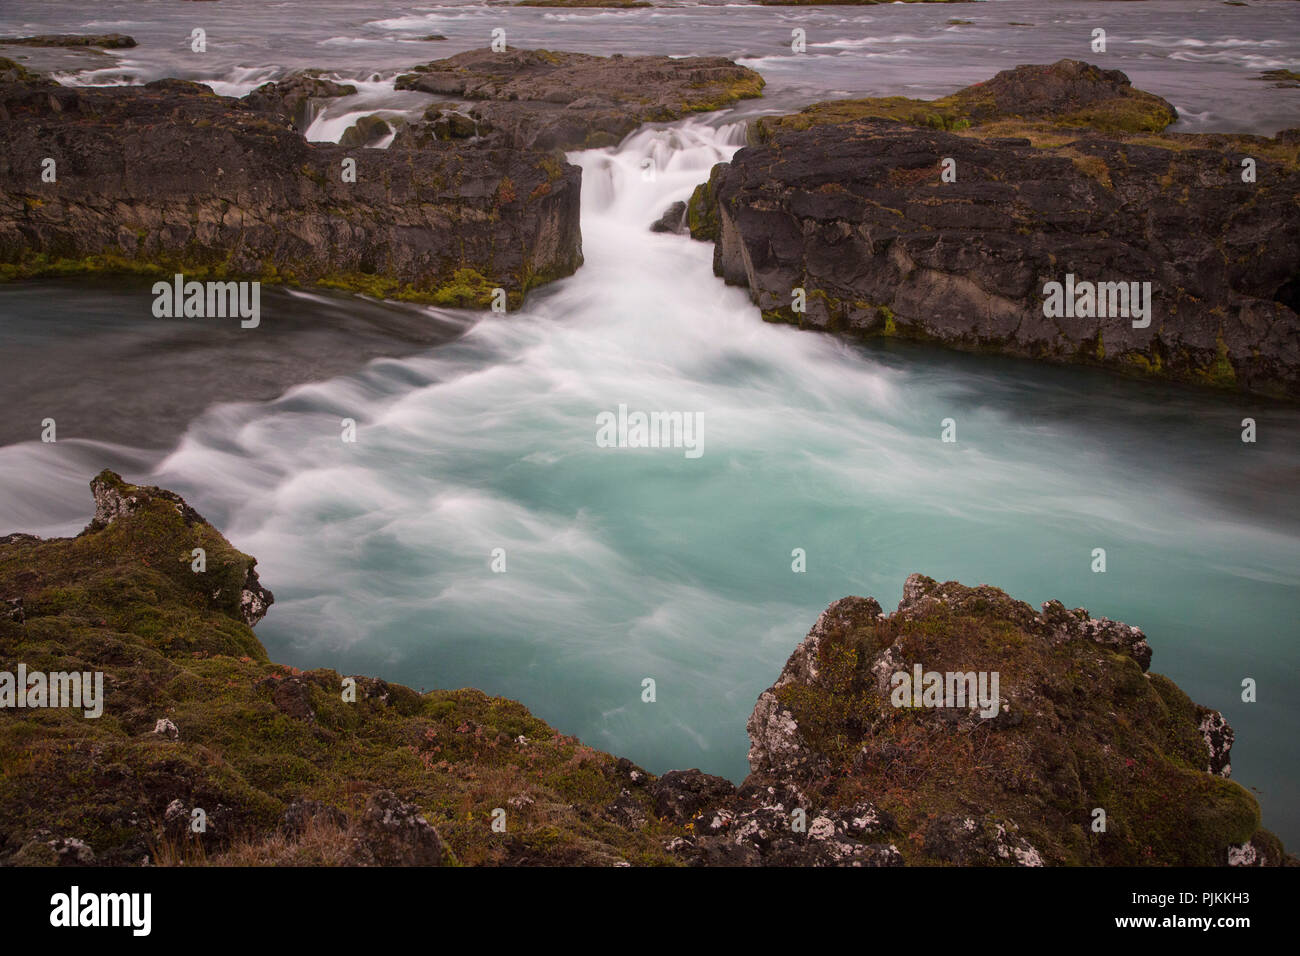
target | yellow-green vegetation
[
  {"x": 465, "y": 288},
  {"x": 1132, "y": 111},
  {"x": 719, "y": 96},
  {"x": 253, "y": 735},
  {"x": 1083, "y": 727},
  {"x": 702, "y": 211},
  {"x": 1220, "y": 371}
]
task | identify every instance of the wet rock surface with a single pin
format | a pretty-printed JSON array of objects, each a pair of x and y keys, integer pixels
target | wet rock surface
[
  {"x": 1058, "y": 170},
  {"x": 549, "y": 99}
]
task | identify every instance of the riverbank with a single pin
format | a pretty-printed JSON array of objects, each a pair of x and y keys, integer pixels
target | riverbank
[{"x": 203, "y": 751}]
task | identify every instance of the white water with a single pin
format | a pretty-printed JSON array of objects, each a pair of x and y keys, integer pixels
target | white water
[{"x": 624, "y": 564}]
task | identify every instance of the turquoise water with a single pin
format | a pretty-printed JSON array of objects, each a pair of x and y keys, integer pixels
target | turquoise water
[{"x": 623, "y": 564}]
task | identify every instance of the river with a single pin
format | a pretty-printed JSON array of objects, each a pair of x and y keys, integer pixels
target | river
[{"x": 478, "y": 433}]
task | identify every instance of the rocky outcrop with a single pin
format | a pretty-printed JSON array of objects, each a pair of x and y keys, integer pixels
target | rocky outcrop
[
  {"x": 208, "y": 752},
  {"x": 104, "y": 41},
  {"x": 171, "y": 178},
  {"x": 297, "y": 97},
  {"x": 1056, "y": 176},
  {"x": 547, "y": 99},
  {"x": 1075, "y": 755}
]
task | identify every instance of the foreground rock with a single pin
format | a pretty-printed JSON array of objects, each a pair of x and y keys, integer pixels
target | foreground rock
[
  {"x": 169, "y": 177},
  {"x": 1076, "y": 726},
  {"x": 290, "y": 767},
  {"x": 1059, "y": 171},
  {"x": 548, "y": 99}
]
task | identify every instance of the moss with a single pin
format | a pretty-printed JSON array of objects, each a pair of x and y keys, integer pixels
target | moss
[
  {"x": 1084, "y": 727},
  {"x": 1220, "y": 373},
  {"x": 702, "y": 209},
  {"x": 890, "y": 327},
  {"x": 122, "y": 599},
  {"x": 747, "y": 87},
  {"x": 970, "y": 108}
]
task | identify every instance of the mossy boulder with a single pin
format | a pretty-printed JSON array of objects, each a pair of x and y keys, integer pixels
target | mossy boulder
[
  {"x": 1068, "y": 93},
  {"x": 288, "y": 767},
  {"x": 1079, "y": 726}
]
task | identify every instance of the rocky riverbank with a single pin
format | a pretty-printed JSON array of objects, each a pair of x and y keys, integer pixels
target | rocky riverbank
[
  {"x": 946, "y": 221},
  {"x": 171, "y": 178},
  {"x": 207, "y": 752}
]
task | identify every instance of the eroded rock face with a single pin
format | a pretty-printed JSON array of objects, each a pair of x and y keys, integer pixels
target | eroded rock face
[
  {"x": 850, "y": 207},
  {"x": 295, "y": 97},
  {"x": 170, "y": 173},
  {"x": 848, "y": 771},
  {"x": 549, "y": 99}
]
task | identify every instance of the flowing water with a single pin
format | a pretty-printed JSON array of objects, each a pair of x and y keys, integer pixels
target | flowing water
[{"x": 623, "y": 564}]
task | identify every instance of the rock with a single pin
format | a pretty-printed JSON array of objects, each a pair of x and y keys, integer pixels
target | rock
[
  {"x": 170, "y": 171},
  {"x": 1218, "y": 741},
  {"x": 291, "y": 696},
  {"x": 116, "y": 499},
  {"x": 165, "y": 728},
  {"x": 295, "y": 96},
  {"x": 523, "y": 97},
  {"x": 395, "y": 833},
  {"x": 679, "y": 794},
  {"x": 44, "y": 850},
  {"x": 1080, "y": 724},
  {"x": 966, "y": 842},
  {"x": 1059, "y": 171},
  {"x": 367, "y": 131},
  {"x": 107, "y": 41},
  {"x": 673, "y": 219}
]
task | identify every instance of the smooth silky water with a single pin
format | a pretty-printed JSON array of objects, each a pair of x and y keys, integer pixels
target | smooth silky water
[{"x": 623, "y": 564}]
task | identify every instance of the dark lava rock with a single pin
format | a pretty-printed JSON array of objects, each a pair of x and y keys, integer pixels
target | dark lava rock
[
  {"x": 673, "y": 219},
  {"x": 170, "y": 172},
  {"x": 291, "y": 696},
  {"x": 295, "y": 96},
  {"x": 367, "y": 131},
  {"x": 107, "y": 41},
  {"x": 1097, "y": 731},
  {"x": 680, "y": 794},
  {"x": 548, "y": 99},
  {"x": 846, "y": 202}
]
